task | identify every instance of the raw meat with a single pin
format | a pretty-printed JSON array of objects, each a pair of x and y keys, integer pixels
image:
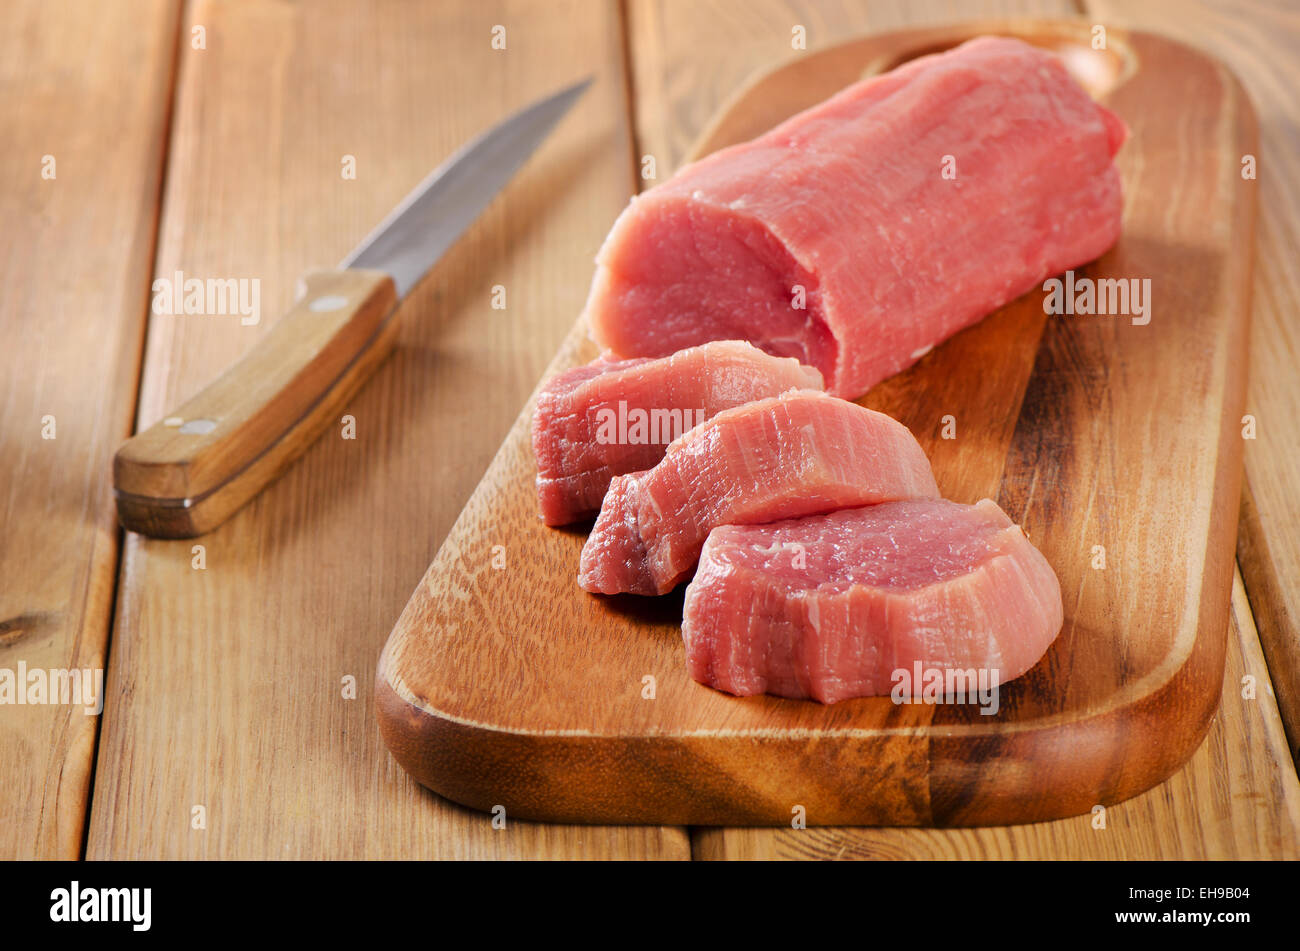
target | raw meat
[
  {"x": 617, "y": 416},
  {"x": 862, "y": 232},
  {"x": 831, "y": 606},
  {"x": 797, "y": 454}
]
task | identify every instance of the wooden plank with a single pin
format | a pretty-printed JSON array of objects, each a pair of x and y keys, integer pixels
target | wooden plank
[
  {"x": 226, "y": 684},
  {"x": 1258, "y": 41},
  {"x": 1237, "y": 798},
  {"x": 88, "y": 86}
]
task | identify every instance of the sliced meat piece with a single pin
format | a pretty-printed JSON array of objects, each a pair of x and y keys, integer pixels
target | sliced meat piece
[
  {"x": 862, "y": 232},
  {"x": 617, "y": 416},
  {"x": 830, "y": 606},
  {"x": 797, "y": 454}
]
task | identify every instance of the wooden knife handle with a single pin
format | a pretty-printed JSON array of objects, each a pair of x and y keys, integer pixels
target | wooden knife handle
[{"x": 191, "y": 470}]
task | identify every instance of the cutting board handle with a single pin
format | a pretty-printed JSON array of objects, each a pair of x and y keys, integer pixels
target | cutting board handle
[
  {"x": 191, "y": 470},
  {"x": 1099, "y": 62}
]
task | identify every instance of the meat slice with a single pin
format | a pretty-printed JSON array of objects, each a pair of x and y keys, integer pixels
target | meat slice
[
  {"x": 617, "y": 416},
  {"x": 862, "y": 232},
  {"x": 796, "y": 454},
  {"x": 831, "y": 606}
]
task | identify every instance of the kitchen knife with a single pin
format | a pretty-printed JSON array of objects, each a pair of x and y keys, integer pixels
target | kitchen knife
[{"x": 190, "y": 471}]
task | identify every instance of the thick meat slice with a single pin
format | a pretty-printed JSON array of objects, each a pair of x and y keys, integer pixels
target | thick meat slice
[
  {"x": 860, "y": 233},
  {"x": 797, "y": 454},
  {"x": 617, "y": 416},
  {"x": 831, "y": 606}
]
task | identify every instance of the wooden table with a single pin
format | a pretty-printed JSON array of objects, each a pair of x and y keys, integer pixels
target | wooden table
[{"x": 212, "y": 139}]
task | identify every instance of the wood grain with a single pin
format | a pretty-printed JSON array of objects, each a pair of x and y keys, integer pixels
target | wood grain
[
  {"x": 1079, "y": 438},
  {"x": 227, "y": 683},
  {"x": 1236, "y": 798},
  {"x": 1260, "y": 42},
  {"x": 171, "y": 482},
  {"x": 88, "y": 86}
]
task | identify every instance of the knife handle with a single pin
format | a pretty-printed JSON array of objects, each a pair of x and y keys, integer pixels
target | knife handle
[{"x": 194, "y": 468}]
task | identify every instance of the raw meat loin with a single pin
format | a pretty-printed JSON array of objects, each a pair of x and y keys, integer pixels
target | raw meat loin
[
  {"x": 617, "y": 416},
  {"x": 796, "y": 454},
  {"x": 899, "y": 211},
  {"x": 830, "y": 606}
]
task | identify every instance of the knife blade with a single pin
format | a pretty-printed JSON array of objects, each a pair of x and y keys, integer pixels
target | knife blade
[
  {"x": 202, "y": 462},
  {"x": 430, "y": 219}
]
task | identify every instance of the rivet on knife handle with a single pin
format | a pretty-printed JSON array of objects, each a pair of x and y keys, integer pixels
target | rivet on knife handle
[{"x": 191, "y": 470}]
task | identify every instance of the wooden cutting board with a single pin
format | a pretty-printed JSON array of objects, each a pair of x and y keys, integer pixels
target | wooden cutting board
[{"x": 1118, "y": 447}]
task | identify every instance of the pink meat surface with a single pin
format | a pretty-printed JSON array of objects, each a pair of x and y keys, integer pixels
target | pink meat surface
[
  {"x": 796, "y": 454},
  {"x": 899, "y": 211},
  {"x": 613, "y": 417},
  {"x": 831, "y": 606}
]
